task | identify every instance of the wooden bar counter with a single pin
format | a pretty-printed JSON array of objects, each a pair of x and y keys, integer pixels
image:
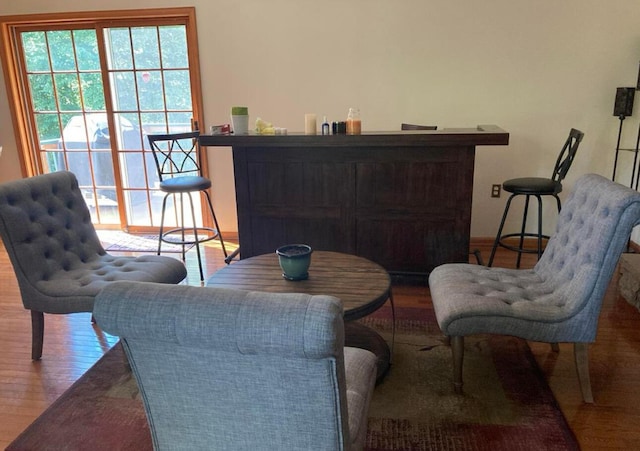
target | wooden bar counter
[{"x": 401, "y": 199}]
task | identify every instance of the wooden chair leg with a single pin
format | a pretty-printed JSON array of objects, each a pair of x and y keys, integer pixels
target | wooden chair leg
[
  {"x": 457, "y": 351},
  {"x": 37, "y": 334},
  {"x": 581, "y": 352},
  {"x": 555, "y": 347}
]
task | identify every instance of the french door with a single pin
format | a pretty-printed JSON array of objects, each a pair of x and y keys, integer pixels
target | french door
[{"x": 93, "y": 91}]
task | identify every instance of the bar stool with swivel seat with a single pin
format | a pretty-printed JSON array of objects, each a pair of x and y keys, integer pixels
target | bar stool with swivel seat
[
  {"x": 178, "y": 162},
  {"x": 536, "y": 187}
]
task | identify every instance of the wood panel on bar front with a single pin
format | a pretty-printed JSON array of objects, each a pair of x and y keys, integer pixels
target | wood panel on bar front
[{"x": 401, "y": 199}]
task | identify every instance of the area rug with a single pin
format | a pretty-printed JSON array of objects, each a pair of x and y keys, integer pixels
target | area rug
[
  {"x": 116, "y": 241},
  {"x": 507, "y": 404}
]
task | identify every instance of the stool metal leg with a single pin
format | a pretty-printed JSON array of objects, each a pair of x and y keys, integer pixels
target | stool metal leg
[
  {"x": 499, "y": 234},
  {"x": 195, "y": 236},
  {"x": 539, "y": 226},
  {"x": 164, "y": 206},
  {"x": 215, "y": 223},
  {"x": 522, "y": 231}
]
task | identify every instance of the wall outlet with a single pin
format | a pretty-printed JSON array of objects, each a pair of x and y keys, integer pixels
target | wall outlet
[{"x": 495, "y": 190}]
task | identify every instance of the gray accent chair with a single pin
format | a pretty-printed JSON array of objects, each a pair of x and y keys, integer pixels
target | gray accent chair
[
  {"x": 557, "y": 301},
  {"x": 56, "y": 255},
  {"x": 228, "y": 369}
]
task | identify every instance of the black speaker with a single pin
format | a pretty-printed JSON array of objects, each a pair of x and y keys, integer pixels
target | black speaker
[{"x": 624, "y": 102}]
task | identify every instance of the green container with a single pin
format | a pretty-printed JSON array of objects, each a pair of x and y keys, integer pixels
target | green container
[
  {"x": 295, "y": 260},
  {"x": 239, "y": 111}
]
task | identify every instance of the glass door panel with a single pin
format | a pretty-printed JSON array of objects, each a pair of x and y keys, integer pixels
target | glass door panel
[{"x": 86, "y": 116}]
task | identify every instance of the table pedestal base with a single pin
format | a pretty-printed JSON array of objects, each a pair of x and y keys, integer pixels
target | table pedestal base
[{"x": 357, "y": 335}]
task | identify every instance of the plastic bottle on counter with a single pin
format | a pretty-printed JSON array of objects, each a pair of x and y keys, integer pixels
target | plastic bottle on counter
[
  {"x": 354, "y": 124},
  {"x": 325, "y": 126}
]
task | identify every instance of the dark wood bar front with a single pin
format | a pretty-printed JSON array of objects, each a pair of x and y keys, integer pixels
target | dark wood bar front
[{"x": 400, "y": 199}]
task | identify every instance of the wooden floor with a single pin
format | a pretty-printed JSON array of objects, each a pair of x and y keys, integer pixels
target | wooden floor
[{"x": 72, "y": 344}]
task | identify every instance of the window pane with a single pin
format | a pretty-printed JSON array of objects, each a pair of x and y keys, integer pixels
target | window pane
[
  {"x": 173, "y": 46},
  {"x": 79, "y": 165},
  {"x": 48, "y": 130},
  {"x": 180, "y": 122},
  {"x": 150, "y": 90},
  {"x": 61, "y": 50},
  {"x": 132, "y": 170},
  {"x": 86, "y": 49},
  {"x": 152, "y": 173},
  {"x": 128, "y": 132},
  {"x": 41, "y": 88},
  {"x": 145, "y": 47},
  {"x": 178, "y": 89},
  {"x": 53, "y": 161},
  {"x": 35, "y": 51},
  {"x": 68, "y": 92},
  {"x": 153, "y": 123},
  {"x": 103, "y": 168},
  {"x": 137, "y": 208},
  {"x": 124, "y": 91},
  {"x": 92, "y": 91},
  {"x": 75, "y": 135},
  {"x": 108, "y": 206},
  {"x": 118, "y": 48}
]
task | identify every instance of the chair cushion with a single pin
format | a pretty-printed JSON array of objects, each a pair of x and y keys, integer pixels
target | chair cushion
[
  {"x": 360, "y": 372},
  {"x": 532, "y": 185},
  {"x": 73, "y": 288},
  {"x": 471, "y": 299},
  {"x": 185, "y": 184}
]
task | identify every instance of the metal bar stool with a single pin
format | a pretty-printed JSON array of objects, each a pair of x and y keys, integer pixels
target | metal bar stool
[
  {"x": 177, "y": 158},
  {"x": 536, "y": 187}
]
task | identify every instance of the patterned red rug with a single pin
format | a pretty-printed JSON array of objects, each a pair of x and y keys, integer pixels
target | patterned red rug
[{"x": 507, "y": 404}]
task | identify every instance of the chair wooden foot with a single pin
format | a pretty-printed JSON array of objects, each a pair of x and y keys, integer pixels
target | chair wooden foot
[
  {"x": 37, "y": 334},
  {"x": 581, "y": 353},
  {"x": 555, "y": 347},
  {"x": 457, "y": 351}
]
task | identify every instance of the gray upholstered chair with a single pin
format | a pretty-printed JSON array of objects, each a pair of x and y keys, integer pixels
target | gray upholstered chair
[
  {"x": 56, "y": 255},
  {"x": 559, "y": 299},
  {"x": 228, "y": 369}
]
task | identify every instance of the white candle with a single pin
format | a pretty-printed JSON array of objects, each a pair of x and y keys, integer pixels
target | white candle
[{"x": 310, "y": 127}]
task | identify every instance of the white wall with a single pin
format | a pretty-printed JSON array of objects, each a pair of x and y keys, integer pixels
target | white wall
[{"x": 535, "y": 68}]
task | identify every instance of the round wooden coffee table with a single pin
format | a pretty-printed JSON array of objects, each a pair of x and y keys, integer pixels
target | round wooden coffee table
[{"x": 362, "y": 285}]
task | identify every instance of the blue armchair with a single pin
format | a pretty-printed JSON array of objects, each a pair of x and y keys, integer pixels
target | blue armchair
[
  {"x": 559, "y": 299},
  {"x": 56, "y": 255},
  {"x": 229, "y": 369}
]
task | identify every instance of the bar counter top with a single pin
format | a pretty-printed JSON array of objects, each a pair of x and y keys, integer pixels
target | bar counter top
[{"x": 482, "y": 135}]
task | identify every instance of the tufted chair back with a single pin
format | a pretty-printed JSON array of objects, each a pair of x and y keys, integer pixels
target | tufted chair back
[
  {"x": 241, "y": 370},
  {"x": 46, "y": 227},
  {"x": 591, "y": 233},
  {"x": 56, "y": 255}
]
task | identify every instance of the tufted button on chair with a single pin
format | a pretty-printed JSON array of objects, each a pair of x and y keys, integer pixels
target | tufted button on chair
[
  {"x": 559, "y": 299},
  {"x": 241, "y": 370},
  {"x": 56, "y": 255}
]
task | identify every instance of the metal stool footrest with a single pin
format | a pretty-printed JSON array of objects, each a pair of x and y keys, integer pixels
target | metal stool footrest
[
  {"x": 525, "y": 250},
  {"x": 208, "y": 234}
]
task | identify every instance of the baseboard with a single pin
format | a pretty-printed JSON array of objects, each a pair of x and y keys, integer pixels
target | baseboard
[{"x": 482, "y": 241}]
